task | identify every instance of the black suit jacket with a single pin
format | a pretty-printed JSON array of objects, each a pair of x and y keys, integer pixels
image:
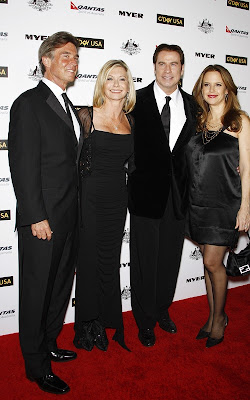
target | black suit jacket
[
  {"x": 157, "y": 168},
  {"x": 42, "y": 156}
]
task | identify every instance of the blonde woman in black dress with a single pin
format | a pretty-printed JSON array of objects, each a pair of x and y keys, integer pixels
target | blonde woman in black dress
[
  {"x": 219, "y": 195},
  {"x": 107, "y": 147}
]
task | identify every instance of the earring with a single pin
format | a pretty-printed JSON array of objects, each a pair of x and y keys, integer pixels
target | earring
[{"x": 226, "y": 97}]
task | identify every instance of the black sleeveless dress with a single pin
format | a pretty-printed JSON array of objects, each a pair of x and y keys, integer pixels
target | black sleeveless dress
[
  {"x": 214, "y": 189},
  {"x": 103, "y": 203}
]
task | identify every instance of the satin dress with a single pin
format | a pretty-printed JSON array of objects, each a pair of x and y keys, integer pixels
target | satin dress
[{"x": 214, "y": 189}]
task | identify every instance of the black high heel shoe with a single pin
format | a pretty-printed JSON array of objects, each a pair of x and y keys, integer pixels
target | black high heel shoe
[
  {"x": 202, "y": 334},
  {"x": 212, "y": 341}
]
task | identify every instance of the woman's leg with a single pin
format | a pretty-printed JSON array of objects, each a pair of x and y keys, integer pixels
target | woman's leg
[{"x": 213, "y": 261}]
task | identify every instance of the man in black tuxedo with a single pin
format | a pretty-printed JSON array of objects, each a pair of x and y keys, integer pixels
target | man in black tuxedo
[
  {"x": 164, "y": 122},
  {"x": 42, "y": 154}
]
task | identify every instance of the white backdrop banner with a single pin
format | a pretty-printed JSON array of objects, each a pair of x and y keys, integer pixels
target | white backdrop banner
[{"x": 209, "y": 31}]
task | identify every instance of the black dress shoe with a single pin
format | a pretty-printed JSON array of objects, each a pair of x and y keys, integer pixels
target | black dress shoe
[
  {"x": 167, "y": 324},
  {"x": 84, "y": 338},
  {"x": 51, "y": 383},
  {"x": 60, "y": 355},
  {"x": 202, "y": 334},
  {"x": 213, "y": 341},
  {"x": 146, "y": 337},
  {"x": 100, "y": 336}
]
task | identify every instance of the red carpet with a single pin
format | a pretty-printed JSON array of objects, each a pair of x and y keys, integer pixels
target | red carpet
[{"x": 178, "y": 367}]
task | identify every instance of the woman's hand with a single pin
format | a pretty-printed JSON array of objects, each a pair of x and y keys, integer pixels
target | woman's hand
[{"x": 243, "y": 219}]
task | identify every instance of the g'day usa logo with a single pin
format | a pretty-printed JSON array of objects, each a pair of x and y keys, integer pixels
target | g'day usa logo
[
  {"x": 244, "y": 5},
  {"x": 170, "y": 20},
  {"x": 3, "y": 144},
  {"x": 3, "y": 1},
  {"x": 4, "y": 215},
  {"x": 91, "y": 43},
  {"x": 3, "y": 72},
  {"x": 6, "y": 281},
  {"x": 87, "y": 9},
  {"x": 40, "y": 5},
  {"x": 236, "y": 60}
]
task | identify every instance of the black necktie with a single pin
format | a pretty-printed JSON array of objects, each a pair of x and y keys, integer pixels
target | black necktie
[
  {"x": 67, "y": 102},
  {"x": 165, "y": 117}
]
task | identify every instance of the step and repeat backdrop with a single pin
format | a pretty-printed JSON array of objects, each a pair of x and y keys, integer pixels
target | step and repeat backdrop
[{"x": 209, "y": 31}]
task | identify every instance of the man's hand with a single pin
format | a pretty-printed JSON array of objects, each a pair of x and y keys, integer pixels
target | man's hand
[{"x": 42, "y": 230}]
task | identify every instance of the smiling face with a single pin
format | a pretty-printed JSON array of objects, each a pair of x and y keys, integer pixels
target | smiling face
[
  {"x": 116, "y": 86},
  {"x": 168, "y": 70},
  {"x": 213, "y": 88},
  {"x": 62, "y": 67}
]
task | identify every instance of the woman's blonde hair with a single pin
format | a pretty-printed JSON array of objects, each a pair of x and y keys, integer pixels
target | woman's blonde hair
[
  {"x": 99, "y": 96},
  {"x": 231, "y": 118}
]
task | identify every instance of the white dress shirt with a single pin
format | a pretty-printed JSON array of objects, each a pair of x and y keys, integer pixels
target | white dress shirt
[
  {"x": 177, "y": 112},
  {"x": 58, "y": 93}
]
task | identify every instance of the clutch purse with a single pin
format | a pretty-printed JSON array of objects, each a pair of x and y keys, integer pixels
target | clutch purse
[{"x": 238, "y": 264}]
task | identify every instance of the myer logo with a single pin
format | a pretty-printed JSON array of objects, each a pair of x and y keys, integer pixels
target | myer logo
[
  {"x": 197, "y": 278},
  {"x": 204, "y": 55},
  {"x": 4, "y": 215},
  {"x": 35, "y": 37},
  {"x": 170, "y": 20},
  {"x": 237, "y": 32},
  {"x": 244, "y": 5},
  {"x": 3, "y": 72},
  {"x": 130, "y": 14},
  {"x": 236, "y": 60},
  {"x": 3, "y": 144},
  {"x": 6, "y": 281},
  {"x": 7, "y": 313},
  {"x": 87, "y": 9},
  {"x": 91, "y": 43}
]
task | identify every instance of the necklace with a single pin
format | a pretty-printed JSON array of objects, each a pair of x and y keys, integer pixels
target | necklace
[
  {"x": 207, "y": 135},
  {"x": 115, "y": 126},
  {"x": 214, "y": 127}
]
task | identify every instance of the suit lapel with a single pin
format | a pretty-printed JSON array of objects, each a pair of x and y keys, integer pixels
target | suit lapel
[
  {"x": 153, "y": 112},
  {"x": 55, "y": 105},
  {"x": 185, "y": 132}
]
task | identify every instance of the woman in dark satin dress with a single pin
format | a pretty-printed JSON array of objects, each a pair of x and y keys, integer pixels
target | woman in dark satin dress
[
  {"x": 219, "y": 195},
  {"x": 107, "y": 148}
]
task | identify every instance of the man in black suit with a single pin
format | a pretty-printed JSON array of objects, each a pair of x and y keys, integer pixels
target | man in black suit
[
  {"x": 42, "y": 153},
  {"x": 164, "y": 122}
]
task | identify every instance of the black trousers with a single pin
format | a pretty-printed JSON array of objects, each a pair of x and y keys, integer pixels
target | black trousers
[
  {"x": 156, "y": 249},
  {"x": 46, "y": 276}
]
